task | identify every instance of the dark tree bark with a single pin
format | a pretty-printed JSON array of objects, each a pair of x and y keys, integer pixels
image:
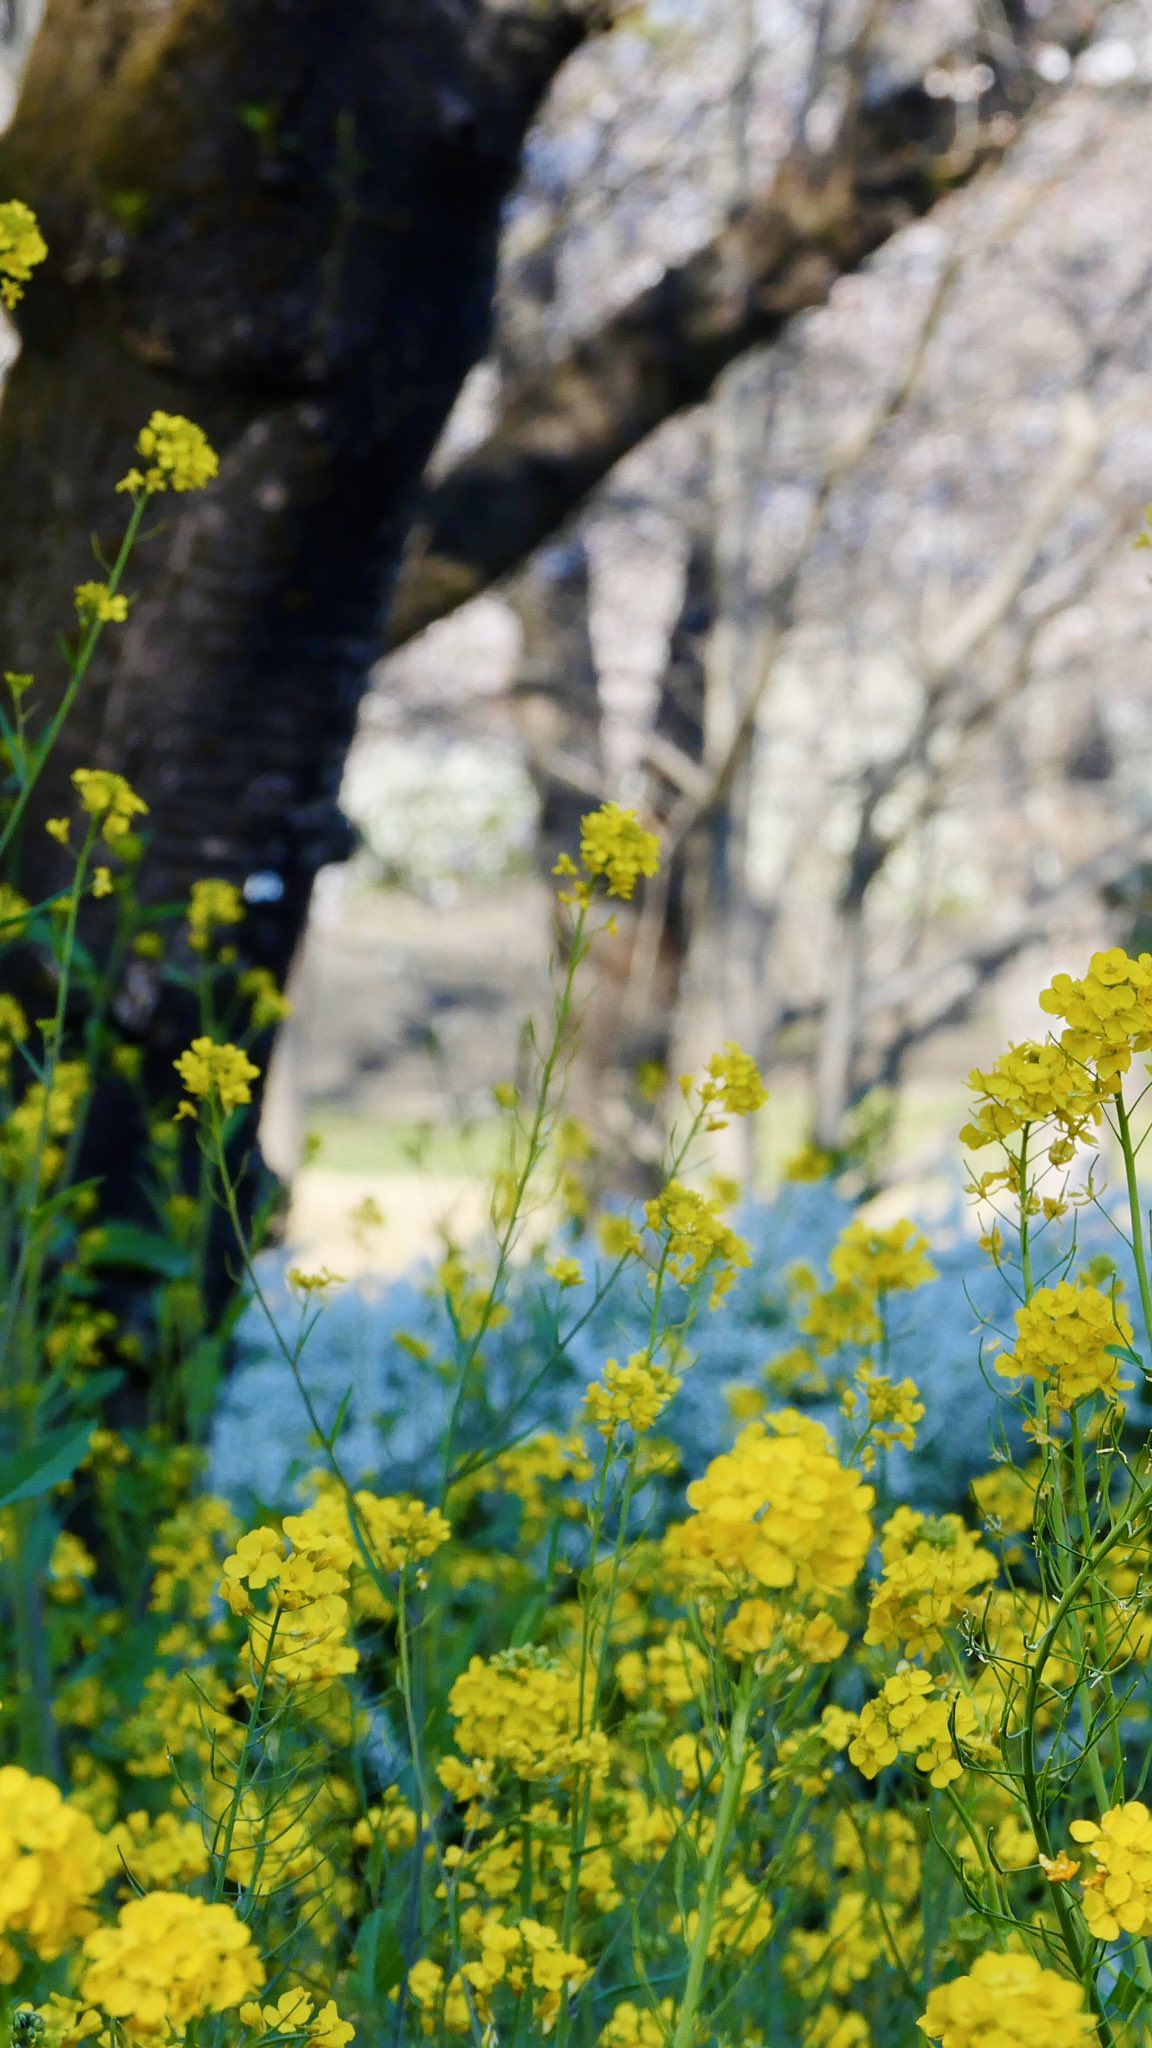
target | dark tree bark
[{"x": 279, "y": 217}]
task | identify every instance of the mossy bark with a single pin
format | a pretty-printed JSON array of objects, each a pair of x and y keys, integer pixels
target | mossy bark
[{"x": 280, "y": 218}]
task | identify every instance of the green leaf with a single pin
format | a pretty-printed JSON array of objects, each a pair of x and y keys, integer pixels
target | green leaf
[
  {"x": 1127, "y": 1994},
  {"x": 144, "y": 1251},
  {"x": 200, "y": 1377},
  {"x": 379, "y": 1956},
  {"x": 44, "y": 1465}
]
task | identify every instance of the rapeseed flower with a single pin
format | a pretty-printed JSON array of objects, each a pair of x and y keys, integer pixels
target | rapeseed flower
[
  {"x": 1011, "y": 2001},
  {"x": 22, "y": 247},
  {"x": 1066, "y": 1340},
  {"x": 1118, "y": 1896},
  {"x": 217, "y": 1073},
  {"x": 111, "y": 801},
  {"x": 178, "y": 455},
  {"x": 169, "y": 1960},
  {"x": 211, "y": 903},
  {"x": 52, "y": 1864},
  {"x": 615, "y": 848}
]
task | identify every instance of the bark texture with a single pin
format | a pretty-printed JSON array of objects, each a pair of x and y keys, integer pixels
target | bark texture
[{"x": 279, "y": 217}]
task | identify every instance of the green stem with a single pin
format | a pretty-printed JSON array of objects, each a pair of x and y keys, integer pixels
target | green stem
[
  {"x": 734, "y": 1768},
  {"x": 1139, "y": 1250}
]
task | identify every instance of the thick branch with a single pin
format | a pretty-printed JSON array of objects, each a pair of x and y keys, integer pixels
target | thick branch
[{"x": 561, "y": 430}]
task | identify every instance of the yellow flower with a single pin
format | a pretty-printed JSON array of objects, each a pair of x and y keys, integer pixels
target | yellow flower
[
  {"x": 1032, "y": 1084},
  {"x": 168, "y": 1960},
  {"x": 294, "y": 2014},
  {"x": 910, "y": 1718},
  {"x": 810, "y": 1163},
  {"x": 614, "y": 845},
  {"x": 97, "y": 605},
  {"x": 630, "y": 1396},
  {"x": 521, "y": 1710},
  {"x": 1065, "y": 1339},
  {"x": 269, "y": 1004},
  {"x": 178, "y": 455},
  {"x": 1118, "y": 1897},
  {"x": 931, "y": 1567},
  {"x": 211, "y": 903},
  {"x": 618, "y": 1237},
  {"x": 1010, "y": 2000},
  {"x": 52, "y": 1863},
  {"x": 638, "y": 2026},
  {"x": 22, "y": 247},
  {"x": 102, "y": 881},
  {"x": 734, "y": 1082},
  {"x": 1108, "y": 1013},
  {"x": 221, "y": 1073},
  {"x": 780, "y": 1509},
  {"x": 109, "y": 799},
  {"x": 565, "y": 1272},
  {"x": 883, "y": 1261},
  {"x": 892, "y": 1409},
  {"x": 697, "y": 1239}
]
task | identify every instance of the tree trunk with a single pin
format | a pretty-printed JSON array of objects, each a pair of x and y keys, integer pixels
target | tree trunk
[
  {"x": 279, "y": 217},
  {"x": 555, "y": 694}
]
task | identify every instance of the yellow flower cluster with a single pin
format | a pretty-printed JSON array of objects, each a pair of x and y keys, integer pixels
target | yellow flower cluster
[
  {"x": 295, "y": 2016},
  {"x": 1033, "y": 1084},
  {"x": 1008, "y": 2001},
  {"x": 667, "y": 1675},
  {"x": 519, "y": 1711},
  {"x": 211, "y": 903},
  {"x": 52, "y": 1863},
  {"x": 110, "y": 800},
  {"x": 400, "y": 1532},
  {"x": 22, "y": 247},
  {"x": 881, "y": 1261},
  {"x": 910, "y": 1717},
  {"x": 178, "y": 455},
  {"x": 866, "y": 1264},
  {"x": 299, "y": 1633},
  {"x": 892, "y": 1408},
  {"x": 218, "y": 1073},
  {"x": 931, "y": 1569},
  {"x": 527, "y": 1953},
  {"x": 638, "y": 2026},
  {"x": 733, "y": 1083},
  {"x": 781, "y": 1510},
  {"x": 1107, "y": 1013},
  {"x": 630, "y": 1396},
  {"x": 96, "y": 604},
  {"x": 168, "y": 1960},
  {"x": 161, "y": 1853},
  {"x": 51, "y": 1110},
  {"x": 1118, "y": 1896},
  {"x": 526, "y": 1956},
  {"x": 1065, "y": 1338},
  {"x": 269, "y": 1003},
  {"x": 615, "y": 846},
  {"x": 697, "y": 1239}
]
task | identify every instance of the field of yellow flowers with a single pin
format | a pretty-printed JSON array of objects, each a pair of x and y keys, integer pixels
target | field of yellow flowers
[{"x": 559, "y": 1751}]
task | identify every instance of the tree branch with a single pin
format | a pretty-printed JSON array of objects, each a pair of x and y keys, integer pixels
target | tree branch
[{"x": 559, "y": 431}]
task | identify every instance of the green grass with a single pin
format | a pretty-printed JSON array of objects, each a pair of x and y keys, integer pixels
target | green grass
[{"x": 356, "y": 1144}]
